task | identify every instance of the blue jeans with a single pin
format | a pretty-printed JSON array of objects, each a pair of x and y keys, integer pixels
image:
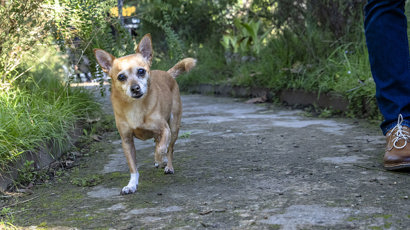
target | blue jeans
[{"x": 386, "y": 36}]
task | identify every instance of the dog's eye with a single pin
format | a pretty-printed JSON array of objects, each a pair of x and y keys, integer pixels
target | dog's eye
[
  {"x": 122, "y": 77},
  {"x": 141, "y": 72}
]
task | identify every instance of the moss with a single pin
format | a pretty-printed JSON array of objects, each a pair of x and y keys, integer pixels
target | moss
[
  {"x": 384, "y": 216},
  {"x": 350, "y": 219},
  {"x": 275, "y": 227},
  {"x": 375, "y": 228},
  {"x": 387, "y": 225},
  {"x": 185, "y": 135},
  {"x": 42, "y": 224},
  {"x": 88, "y": 181}
]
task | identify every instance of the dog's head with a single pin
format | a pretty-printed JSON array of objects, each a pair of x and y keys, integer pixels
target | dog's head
[{"x": 130, "y": 74}]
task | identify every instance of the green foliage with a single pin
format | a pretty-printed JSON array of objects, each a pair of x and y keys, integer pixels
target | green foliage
[
  {"x": 39, "y": 107},
  {"x": 230, "y": 43},
  {"x": 318, "y": 46},
  {"x": 6, "y": 219},
  {"x": 245, "y": 38},
  {"x": 335, "y": 17},
  {"x": 79, "y": 26},
  {"x": 174, "y": 45},
  {"x": 176, "y": 23},
  {"x": 27, "y": 173},
  {"x": 23, "y": 24},
  {"x": 193, "y": 21},
  {"x": 211, "y": 69},
  {"x": 37, "y": 103},
  {"x": 251, "y": 38},
  {"x": 185, "y": 135}
]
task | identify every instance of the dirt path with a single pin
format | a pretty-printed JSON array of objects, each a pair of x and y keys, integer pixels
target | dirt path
[{"x": 237, "y": 166}]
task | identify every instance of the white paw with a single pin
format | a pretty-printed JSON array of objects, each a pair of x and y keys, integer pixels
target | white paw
[
  {"x": 128, "y": 190},
  {"x": 132, "y": 184}
]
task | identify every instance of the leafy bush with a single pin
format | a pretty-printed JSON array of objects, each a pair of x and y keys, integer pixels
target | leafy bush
[
  {"x": 23, "y": 24},
  {"x": 335, "y": 17},
  {"x": 177, "y": 24}
]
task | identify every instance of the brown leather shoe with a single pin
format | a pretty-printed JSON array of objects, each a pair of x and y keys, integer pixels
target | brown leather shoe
[{"x": 397, "y": 155}]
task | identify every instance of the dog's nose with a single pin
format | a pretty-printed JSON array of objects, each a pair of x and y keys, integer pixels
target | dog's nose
[{"x": 135, "y": 88}]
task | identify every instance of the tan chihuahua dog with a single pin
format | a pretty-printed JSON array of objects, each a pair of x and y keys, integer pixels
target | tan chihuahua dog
[{"x": 146, "y": 104}]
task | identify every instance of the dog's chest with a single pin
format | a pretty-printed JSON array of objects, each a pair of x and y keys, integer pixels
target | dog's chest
[
  {"x": 138, "y": 125},
  {"x": 139, "y": 121},
  {"x": 135, "y": 119}
]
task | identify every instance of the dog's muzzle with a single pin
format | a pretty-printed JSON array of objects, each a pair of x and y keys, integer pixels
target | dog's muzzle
[{"x": 136, "y": 91}]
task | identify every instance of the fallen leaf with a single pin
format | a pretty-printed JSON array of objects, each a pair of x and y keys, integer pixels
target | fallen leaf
[{"x": 256, "y": 100}]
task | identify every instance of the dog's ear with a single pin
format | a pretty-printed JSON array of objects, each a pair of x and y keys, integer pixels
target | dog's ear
[
  {"x": 145, "y": 48},
  {"x": 104, "y": 59}
]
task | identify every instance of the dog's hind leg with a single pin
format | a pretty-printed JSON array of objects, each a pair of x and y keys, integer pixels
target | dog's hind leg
[
  {"x": 169, "y": 169},
  {"x": 157, "y": 157},
  {"x": 174, "y": 123},
  {"x": 162, "y": 143}
]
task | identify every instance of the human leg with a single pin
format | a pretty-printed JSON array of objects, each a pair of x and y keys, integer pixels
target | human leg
[{"x": 387, "y": 42}]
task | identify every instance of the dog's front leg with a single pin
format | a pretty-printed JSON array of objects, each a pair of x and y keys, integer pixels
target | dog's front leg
[{"x": 129, "y": 152}]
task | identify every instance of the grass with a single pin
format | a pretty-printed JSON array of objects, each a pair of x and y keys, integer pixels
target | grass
[{"x": 39, "y": 107}]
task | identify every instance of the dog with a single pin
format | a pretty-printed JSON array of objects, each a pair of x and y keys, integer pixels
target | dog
[{"x": 146, "y": 104}]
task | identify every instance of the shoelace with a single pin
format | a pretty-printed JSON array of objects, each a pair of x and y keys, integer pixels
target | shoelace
[{"x": 400, "y": 134}]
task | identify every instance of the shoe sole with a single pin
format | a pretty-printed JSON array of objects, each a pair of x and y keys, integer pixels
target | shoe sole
[{"x": 397, "y": 166}]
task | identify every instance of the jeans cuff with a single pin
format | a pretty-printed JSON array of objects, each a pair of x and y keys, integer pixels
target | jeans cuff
[{"x": 391, "y": 125}]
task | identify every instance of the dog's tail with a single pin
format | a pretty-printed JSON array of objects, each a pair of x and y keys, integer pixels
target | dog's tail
[{"x": 185, "y": 65}]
